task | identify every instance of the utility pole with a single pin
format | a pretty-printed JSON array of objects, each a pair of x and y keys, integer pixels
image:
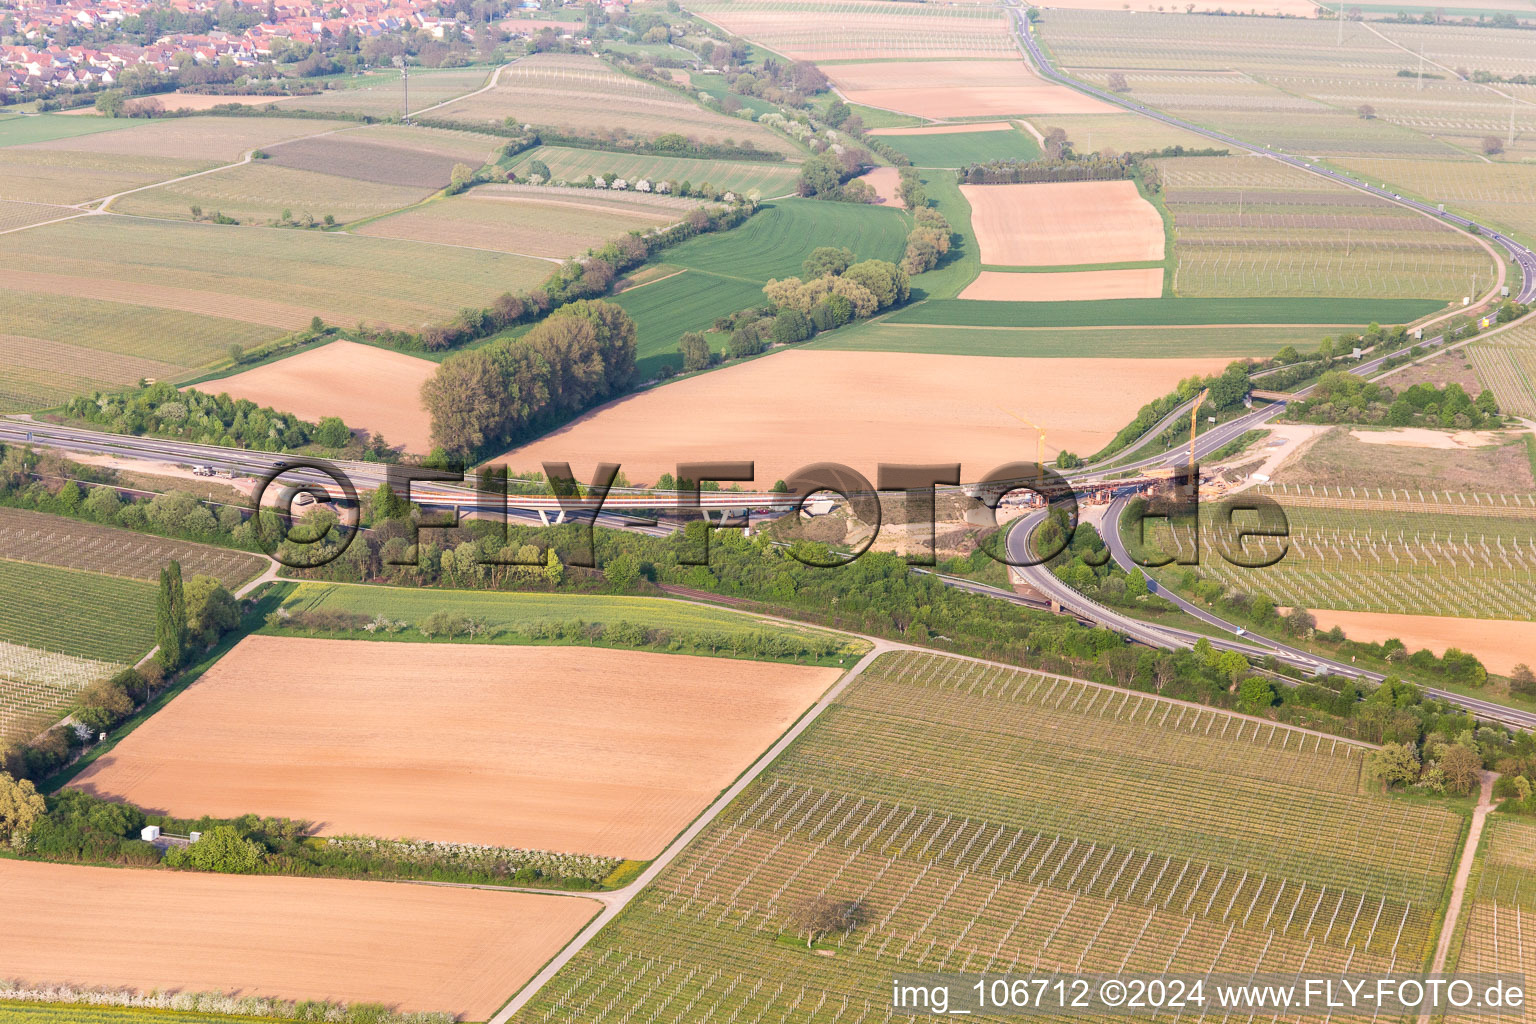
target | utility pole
[
  {"x": 405, "y": 87},
  {"x": 1421, "y": 67},
  {"x": 1510, "y": 144},
  {"x": 1341, "y": 23}
]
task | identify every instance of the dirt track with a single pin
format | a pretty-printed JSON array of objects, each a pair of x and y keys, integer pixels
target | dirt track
[
  {"x": 415, "y": 947},
  {"x": 561, "y": 748}
]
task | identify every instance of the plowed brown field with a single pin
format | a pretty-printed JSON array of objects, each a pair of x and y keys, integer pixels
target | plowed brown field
[
  {"x": 562, "y": 748},
  {"x": 414, "y": 947},
  {"x": 958, "y": 88},
  {"x": 1063, "y": 223},
  {"x": 371, "y": 388},
  {"x": 802, "y": 406}
]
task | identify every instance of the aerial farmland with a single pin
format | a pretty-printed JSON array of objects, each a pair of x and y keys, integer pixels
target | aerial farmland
[{"x": 762, "y": 511}]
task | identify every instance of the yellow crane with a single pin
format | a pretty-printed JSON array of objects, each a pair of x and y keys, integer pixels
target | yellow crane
[
  {"x": 1194, "y": 413},
  {"x": 1039, "y": 439}
]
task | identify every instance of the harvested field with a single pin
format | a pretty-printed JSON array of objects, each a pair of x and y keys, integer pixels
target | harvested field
[
  {"x": 1341, "y": 460},
  {"x": 279, "y": 278},
  {"x": 863, "y": 29},
  {"x": 542, "y": 222},
  {"x": 471, "y": 147},
  {"x": 199, "y": 101},
  {"x": 1419, "y": 437},
  {"x": 1124, "y": 132},
  {"x": 67, "y": 543},
  {"x": 795, "y": 408},
  {"x": 370, "y": 388},
  {"x": 259, "y": 192},
  {"x": 349, "y": 157},
  {"x": 378, "y": 93},
  {"x": 19, "y": 215},
  {"x": 1500, "y": 644},
  {"x": 1145, "y": 283},
  {"x": 413, "y": 947},
  {"x": 214, "y": 140},
  {"x": 583, "y": 95},
  {"x": 1059, "y": 224},
  {"x": 1274, "y": 8},
  {"x": 32, "y": 174},
  {"x": 767, "y": 177},
  {"x": 565, "y": 748},
  {"x": 969, "y": 88},
  {"x": 885, "y": 181}
]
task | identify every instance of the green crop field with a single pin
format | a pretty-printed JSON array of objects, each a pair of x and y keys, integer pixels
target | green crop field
[
  {"x": 960, "y": 148},
  {"x": 1245, "y": 226},
  {"x": 668, "y": 308},
  {"x": 76, "y": 544},
  {"x": 778, "y": 238},
  {"x": 522, "y": 610},
  {"x": 1156, "y": 837},
  {"x": 767, "y": 178},
  {"x": 84, "y": 614},
  {"x": 1051, "y": 343},
  {"x": 1501, "y": 905},
  {"x": 1130, "y": 312},
  {"x": 1460, "y": 554},
  {"x": 17, "y": 131}
]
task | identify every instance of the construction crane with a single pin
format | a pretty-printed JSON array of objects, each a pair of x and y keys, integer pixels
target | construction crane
[
  {"x": 1194, "y": 413},
  {"x": 1039, "y": 439}
]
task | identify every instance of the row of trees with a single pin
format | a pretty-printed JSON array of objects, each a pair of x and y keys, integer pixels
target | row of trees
[
  {"x": 582, "y": 354},
  {"x": 161, "y": 410}
]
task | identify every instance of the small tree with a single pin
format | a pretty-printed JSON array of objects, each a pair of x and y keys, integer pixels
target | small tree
[
  {"x": 171, "y": 618},
  {"x": 1523, "y": 681},
  {"x": 221, "y": 848},
  {"x": 1117, "y": 82},
  {"x": 110, "y": 103},
  {"x": 1463, "y": 769},
  {"x": 1394, "y": 764},
  {"x": 20, "y": 807},
  {"x": 333, "y": 433},
  {"x": 822, "y": 915},
  {"x": 695, "y": 350},
  {"x": 1493, "y": 145}
]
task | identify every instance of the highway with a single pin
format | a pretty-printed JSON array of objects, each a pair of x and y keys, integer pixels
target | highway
[{"x": 1524, "y": 258}]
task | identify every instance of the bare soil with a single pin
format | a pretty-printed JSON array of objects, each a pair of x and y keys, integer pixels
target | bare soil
[
  {"x": 1063, "y": 223},
  {"x": 1500, "y": 644},
  {"x": 1338, "y": 459},
  {"x": 885, "y": 181},
  {"x": 367, "y": 161},
  {"x": 370, "y": 388},
  {"x": 413, "y": 947},
  {"x": 1146, "y": 283},
  {"x": 961, "y": 88},
  {"x": 558, "y": 748},
  {"x": 802, "y": 406}
]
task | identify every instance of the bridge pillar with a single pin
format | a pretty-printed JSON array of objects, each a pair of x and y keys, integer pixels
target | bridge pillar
[{"x": 544, "y": 517}]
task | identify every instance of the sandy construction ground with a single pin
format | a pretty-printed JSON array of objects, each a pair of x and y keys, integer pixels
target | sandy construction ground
[
  {"x": 885, "y": 181},
  {"x": 1146, "y": 283},
  {"x": 1422, "y": 437},
  {"x": 1500, "y": 644},
  {"x": 1063, "y": 223},
  {"x": 958, "y": 88},
  {"x": 414, "y": 947},
  {"x": 370, "y": 388},
  {"x": 801, "y": 406},
  {"x": 947, "y": 129},
  {"x": 558, "y": 748}
]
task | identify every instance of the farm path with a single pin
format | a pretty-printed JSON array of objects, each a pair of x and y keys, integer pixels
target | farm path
[
  {"x": 619, "y": 899},
  {"x": 101, "y": 205},
  {"x": 487, "y": 87},
  {"x": 1463, "y": 873}
]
